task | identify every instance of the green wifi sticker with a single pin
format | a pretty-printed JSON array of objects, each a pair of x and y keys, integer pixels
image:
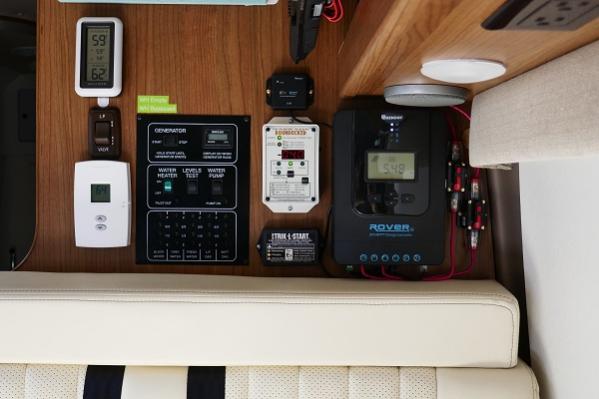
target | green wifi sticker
[{"x": 155, "y": 105}]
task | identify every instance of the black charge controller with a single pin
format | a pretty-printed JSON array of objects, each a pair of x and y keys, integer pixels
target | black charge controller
[{"x": 192, "y": 189}]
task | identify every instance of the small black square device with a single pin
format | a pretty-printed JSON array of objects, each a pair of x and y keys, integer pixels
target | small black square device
[{"x": 290, "y": 91}]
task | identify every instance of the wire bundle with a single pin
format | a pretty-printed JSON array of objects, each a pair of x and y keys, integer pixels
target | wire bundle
[{"x": 333, "y": 11}]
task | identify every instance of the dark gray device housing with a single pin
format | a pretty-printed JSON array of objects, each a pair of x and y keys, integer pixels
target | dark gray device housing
[
  {"x": 398, "y": 222},
  {"x": 290, "y": 91}
]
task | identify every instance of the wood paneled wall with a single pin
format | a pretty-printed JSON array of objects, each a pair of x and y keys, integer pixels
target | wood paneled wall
[
  {"x": 209, "y": 60},
  {"x": 390, "y": 39}
]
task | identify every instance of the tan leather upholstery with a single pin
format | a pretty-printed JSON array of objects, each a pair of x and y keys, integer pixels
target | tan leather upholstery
[
  {"x": 65, "y": 382},
  {"x": 547, "y": 113},
  {"x": 177, "y": 320}
]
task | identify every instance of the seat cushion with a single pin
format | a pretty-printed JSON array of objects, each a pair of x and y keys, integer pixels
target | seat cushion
[
  {"x": 81, "y": 382},
  {"x": 178, "y": 320}
]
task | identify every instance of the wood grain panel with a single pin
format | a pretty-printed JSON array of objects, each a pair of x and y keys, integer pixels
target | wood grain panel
[
  {"x": 410, "y": 32},
  {"x": 210, "y": 60}
]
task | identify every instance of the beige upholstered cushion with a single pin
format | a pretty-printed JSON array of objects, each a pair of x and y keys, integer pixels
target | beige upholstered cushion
[
  {"x": 548, "y": 113},
  {"x": 177, "y": 320}
]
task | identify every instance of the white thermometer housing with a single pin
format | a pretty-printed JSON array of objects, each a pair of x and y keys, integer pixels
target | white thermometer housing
[
  {"x": 99, "y": 57},
  {"x": 102, "y": 204}
]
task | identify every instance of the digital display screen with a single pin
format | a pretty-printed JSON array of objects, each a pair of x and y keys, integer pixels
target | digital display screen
[
  {"x": 218, "y": 137},
  {"x": 98, "y": 54},
  {"x": 391, "y": 166},
  {"x": 100, "y": 192},
  {"x": 293, "y": 154}
]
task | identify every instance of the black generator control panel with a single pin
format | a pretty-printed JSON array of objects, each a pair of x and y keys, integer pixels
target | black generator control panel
[{"x": 193, "y": 189}]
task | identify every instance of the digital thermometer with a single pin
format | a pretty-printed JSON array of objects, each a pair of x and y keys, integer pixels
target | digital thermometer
[
  {"x": 99, "y": 60},
  {"x": 102, "y": 204}
]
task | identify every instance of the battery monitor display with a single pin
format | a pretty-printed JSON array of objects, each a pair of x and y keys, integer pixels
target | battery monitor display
[
  {"x": 293, "y": 154},
  {"x": 391, "y": 166}
]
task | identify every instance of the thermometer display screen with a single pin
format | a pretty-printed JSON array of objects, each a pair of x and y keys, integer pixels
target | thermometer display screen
[
  {"x": 97, "y": 55},
  {"x": 100, "y": 192}
]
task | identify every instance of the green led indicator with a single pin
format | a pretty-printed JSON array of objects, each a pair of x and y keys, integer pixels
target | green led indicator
[
  {"x": 279, "y": 137},
  {"x": 168, "y": 186},
  {"x": 290, "y": 163}
]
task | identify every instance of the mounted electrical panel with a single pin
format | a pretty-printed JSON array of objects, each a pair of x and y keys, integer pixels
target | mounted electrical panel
[
  {"x": 389, "y": 196},
  {"x": 193, "y": 189},
  {"x": 290, "y": 182}
]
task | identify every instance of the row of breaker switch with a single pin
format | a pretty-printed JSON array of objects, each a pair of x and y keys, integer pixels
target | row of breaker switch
[{"x": 192, "y": 236}]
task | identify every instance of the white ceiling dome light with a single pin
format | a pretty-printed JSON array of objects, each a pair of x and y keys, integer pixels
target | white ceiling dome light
[{"x": 463, "y": 71}]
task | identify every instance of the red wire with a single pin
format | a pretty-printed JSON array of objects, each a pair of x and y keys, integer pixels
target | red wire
[
  {"x": 452, "y": 267},
  {"x": 454, "y": 136},
  {"x": 369, "y": 276},
  {"x": 389, "y": 276},
  {"x": 334, "y": 11},
  {"x": 466, "y": 115},
  {"x": 461, "y": 112},
  {"x": 471, "y": 265}
]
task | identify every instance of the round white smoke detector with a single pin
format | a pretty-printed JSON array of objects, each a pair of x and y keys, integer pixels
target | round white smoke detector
[
  {"x": 425, "y": 95},
  {"x": 462, "y": 71}
]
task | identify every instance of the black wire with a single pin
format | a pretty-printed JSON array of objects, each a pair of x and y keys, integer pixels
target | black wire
[{"x": 305, "y": 122}]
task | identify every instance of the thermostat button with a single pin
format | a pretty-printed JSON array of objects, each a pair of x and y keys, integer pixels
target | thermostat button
[
  {"x": 101, "y": 227},
  {"x": 101, "y": 218}
]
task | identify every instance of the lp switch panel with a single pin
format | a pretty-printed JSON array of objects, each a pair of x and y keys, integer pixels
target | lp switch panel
[{"x": 193, "y": 189}]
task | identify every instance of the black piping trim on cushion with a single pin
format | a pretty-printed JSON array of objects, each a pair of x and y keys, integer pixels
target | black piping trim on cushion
[
  {"x": 104, "y": 382},
  {"x": 206, "y": 382}
]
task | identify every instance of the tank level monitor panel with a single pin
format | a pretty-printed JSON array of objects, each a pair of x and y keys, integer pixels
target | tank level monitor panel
[
  {"x": 290, "y": 166},
  {"x": 193, "y": 189}
]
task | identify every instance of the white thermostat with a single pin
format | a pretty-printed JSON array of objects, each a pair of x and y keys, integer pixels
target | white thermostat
[
  {"x": 99, "y": 59},
  {"x": 290, "y": 165},
  {"x": 102, "y": 204}
]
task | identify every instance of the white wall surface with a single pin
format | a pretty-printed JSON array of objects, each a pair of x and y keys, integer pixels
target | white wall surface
[{"x": 560, "y": 233}]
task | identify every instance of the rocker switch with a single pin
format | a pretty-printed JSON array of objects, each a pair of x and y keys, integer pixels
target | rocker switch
[
  {"x": 102, "y": 135},
  {"x": 104, "y": 127}
]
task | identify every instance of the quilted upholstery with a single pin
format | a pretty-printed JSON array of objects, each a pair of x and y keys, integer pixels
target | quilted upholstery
[{"x": 67, "y": 382}]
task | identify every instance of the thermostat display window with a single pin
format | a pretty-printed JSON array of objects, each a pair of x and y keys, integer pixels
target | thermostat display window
[
  {"x": 100, "y": 192},
  {"x": 390, "y": 166}
]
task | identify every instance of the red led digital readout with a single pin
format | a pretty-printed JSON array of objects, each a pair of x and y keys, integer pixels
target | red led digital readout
[{"x": 292, "y": 154}]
